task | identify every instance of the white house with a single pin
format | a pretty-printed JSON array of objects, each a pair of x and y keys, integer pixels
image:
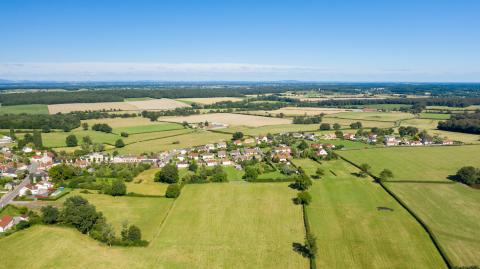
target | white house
[
  {"x": 222, "y": 145},
  {"x": 211, "y": 162},
  {"x": 96, "y": 157},
  {"x": 208, "y": 156},
  {"x": 27, "y": 149},
  {"x": 322, "y": 152},
  {"x": 182, "y": 165},
  {"x": 226, "y": 162},
  {"x": 5, "y": 140},
  {"x": 6, "y": 222},
  {"x": 391, "y": 140}
]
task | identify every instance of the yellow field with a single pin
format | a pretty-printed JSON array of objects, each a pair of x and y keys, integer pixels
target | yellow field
[
  {"x": 154, "y": 104},
  {"x": 209, "y": 101},
  {"x": 230, "y": 119}
]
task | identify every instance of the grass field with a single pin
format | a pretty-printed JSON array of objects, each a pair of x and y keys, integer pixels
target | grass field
[
  {"x": 422, "y": 163},
  {"x": 300, "y": 111},
  {"x": 435, "y": 116},
  {"x": 353, "y": 233},
  {"x": 144, "y": 184},
  {"x": 229, "y": 118},
  {"x": 273, "y": 129},
  {"x": 209, "y": 101},
  {"x": 233, "y": 174},
  {"x": 452, "y": 213},
  {"x": 184, "y": 141},
  {"x": 138, "y": 105},
  {"x": 431, "y": 126},
  {"x": 374, "y": 116},
  {"x": 28, "y": 109},
  {"x": 234, "y": 225},
  {"x": 159, "y": 127},
  {"x": 365, "y": 123},
  {"x": 57, "y": 139}
]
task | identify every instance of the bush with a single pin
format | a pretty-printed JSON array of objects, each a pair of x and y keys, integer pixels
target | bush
[
  {"x": 71, "y": 141},
  {"x": 124, "y": 134},
  {"x": 173, "y": 191},
  {"x": 237, "y": 135},
  {"x": 303, "y": 198},
  {"x": 324, "y": 126},
  {"x": 119, "y": 143},
  {"x": 468, "y": 175},
  {"x": 50, "y": 214},
  {"x": 22, "y": 225},
  {"x": 168, "y": 174}
]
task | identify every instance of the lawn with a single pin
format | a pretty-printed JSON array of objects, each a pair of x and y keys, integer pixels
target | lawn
[
  {"x": 452, "y": 213},
  {"x": 347, "y": 144},
  {"x": 353, "y": 233},
  {"x": 375, "y": 116},
  {"x": 155, "y": 135},
  {"x": 233, "y": 174},
  {"x": 433, "y": 163},
  {"x": 28, "y": 109},
  {"x": 144, "y": 184},
  {"x": 308, "y": 165}
]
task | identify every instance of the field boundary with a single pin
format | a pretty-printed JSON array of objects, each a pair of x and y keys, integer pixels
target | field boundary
[
  {"x": 306, "y": 224},
  {"x": 427, "y": 229},
  {"x": 420, "y": 181}
]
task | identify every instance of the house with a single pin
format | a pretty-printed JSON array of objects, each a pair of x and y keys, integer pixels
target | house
[
  {"x": 310, "y": 137},
  {"x": 9, "y": 186},
  {"x": 262, "y": 139},
  {"x": 221, "y": 145},
  {"x": 281, "y": 157},
  {"x": 249, "y": 141},
  {"x": 44, "y": 159},
  {"x": 329, "y": 136},
  {"x": 9, "y": 172},
  {"x": 5, "y": 150},
  {"x": 238, "y": 142},
  {"x": 427, "y": 141},
  {"x": 6, "y": 222},
  {"x": 322, "y": 152},
  {"x": 96, "y": 157},
  {"x": 182, "y": 151},
  {"x": 329, "y": 146},
  {"x": 222, "y": 154},
  {"x": 250, "y": 152},
  {"x": 447, "y": 142},
  {"x": 416, "y": 143},
  {"x": 211, "y": 162},
  {"x": 226, "y": 162},
  {"x": 181, "y": 158},
  {"x": 193, "y": 156},
  {"x": 348, "y": 136},
  {"x": 297, "y": 135},
  {"x": 391, "y": 140},
  {"x": 372, "y": 138},
  {"x": 5, "y": 140},
  {"x": 316, "y": 146},
  {"x": 235, "y": 153},
  {"x": 282, "y": 149},
  {"x": 182, "y": 165},
  {"x": 41, "y": 188},
  {"x": 208, "y": 156},
  {"x": 210, "y": 147},
  {"x": 27, "y": 149}
]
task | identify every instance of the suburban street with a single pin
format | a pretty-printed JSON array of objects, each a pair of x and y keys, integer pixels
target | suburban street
[{"x": 8, "y": 197}]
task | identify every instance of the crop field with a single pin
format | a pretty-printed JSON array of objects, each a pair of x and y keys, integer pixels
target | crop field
[
  {"x": 374, "y": 116},
  {"x": 229, "y": 118},
  {"x": 309, "y": 111},
  {"x": 453, "y": 108},
  {"x": 144, "y": 184},
  {"x": 452, "y": 213},
  {"x": 155, "y": 135},
  {"x": 209, "y": 226},
  {"x": 353, "y": 232},
  {"x": 153, "y": 104},
  {"x": 181, "y": 141},
  {"x": 273, "y": 129},
  {"x": 365, "y": 123},
  {"x": 28, "y": 109},
  {"x": 209, "y": 101},
  {"x": 433, "y": 163}
]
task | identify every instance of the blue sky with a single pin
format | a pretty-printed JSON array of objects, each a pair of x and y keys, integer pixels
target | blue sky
[{"x": 240, "y": 40}]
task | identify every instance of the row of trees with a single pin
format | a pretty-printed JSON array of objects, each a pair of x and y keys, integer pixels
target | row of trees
[
  {"x": 83, "y": 216},
  {"x": 184, "y": 111},
  {"x": 465, "y": 123},
  {"x": 102, "y": 127},
  {"x": 308, "y": 119}
]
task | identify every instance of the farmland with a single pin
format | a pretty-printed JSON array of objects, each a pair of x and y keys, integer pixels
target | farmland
[
  {"x": 296, "y": 111},
  {"x": 209, "y": 101},
  {"x": 28, "y": 109},
  {"x": 139, "y": 105},
  {"x": 354, "y": 233},
  {"x": 144, "y": 184},
  {"x": 373, "y": 116},
  {"x": 419, "y": 164},
  {"x": 228, "y": 118},
  {"x": 242, "y": 213}
]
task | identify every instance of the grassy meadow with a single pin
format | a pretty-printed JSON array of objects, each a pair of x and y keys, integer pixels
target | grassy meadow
[
  {"x": 433, "y": 163},
  {"x": 144, "y": 184},
  {"x": 28, "y": 109},
  {"x": 374, "y": 116},
  {"x": 353, "y": 233},
  {"x": 227, "y": 225},
  {"x": 452, "y": 213}
]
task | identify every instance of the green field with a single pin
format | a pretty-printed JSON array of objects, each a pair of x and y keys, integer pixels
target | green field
[
  {"x": 148, "y": 128},
  {"x": 374, "y": 116},
  {"x": 433, "y": 163},
  {"x": 353, "y": 233},
  {"x": 365, "y": 123},
  {"x": 233, "y": 174},
  {"x": 210, "y": 226},
  {"x": 387, "y": 106},
  {"x": 57, "y": 139},
  {"x": 28, "y": 109},
  {"x": 435, "y": 116},
  {"x": 452, "y": 213},
  {"x": 137, "y": 99},
  {"x": 273, "y": 129},
  {"x": 144, "y": 184}
]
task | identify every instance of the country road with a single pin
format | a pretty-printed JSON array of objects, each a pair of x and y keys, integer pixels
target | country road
[{"x": 9, "y": 196}]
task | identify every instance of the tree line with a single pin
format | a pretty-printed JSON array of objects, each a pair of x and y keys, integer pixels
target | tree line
[{"x": 464, "y": 123}]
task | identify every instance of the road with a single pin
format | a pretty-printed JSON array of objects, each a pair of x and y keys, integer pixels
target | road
[{"x": 9, "y": 196}]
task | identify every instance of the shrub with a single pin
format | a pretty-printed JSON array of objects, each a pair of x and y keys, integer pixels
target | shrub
[
  {"x": 50, "y": 214},
  {"x": 173, "y": 191},
  {"x": 71, "y": 141},
  {"x": 119, "y": 143},
  {"x": 168, "y": 174},
  {"x": 124, "y": 134},
  {"x": 303, "y": 198}
]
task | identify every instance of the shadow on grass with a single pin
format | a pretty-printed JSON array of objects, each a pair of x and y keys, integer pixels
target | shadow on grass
[{"x": 300, "y": 249}]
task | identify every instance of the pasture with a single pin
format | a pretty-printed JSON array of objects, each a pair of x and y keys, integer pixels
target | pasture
[
  {"x": 27, "y": 109},
  {"x": 57, "y": 139},
  {"x": 209, "y": 226},
  {"x": 434, "y": 116},
  {"x": 434, "y": 163},
  {"x": 365, "y": 123},
  {"x": 309, "y": 111},
  {"x": 228, "y": 118},
  {"x": 352, "y": 232},
  {"x": 451, "y": 212},
  {"x": 144, "y": 184},
  {"x": 209, "y": 101},
  {"x": 273, "y": 129},
  {"x": 373, "y": 116}
]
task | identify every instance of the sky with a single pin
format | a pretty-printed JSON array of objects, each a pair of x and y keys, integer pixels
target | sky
[{"x": 389, "y": 40}]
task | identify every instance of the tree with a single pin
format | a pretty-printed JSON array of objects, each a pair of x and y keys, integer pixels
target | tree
[
  {"x": 364, "y": 169},
  {"x": 237, "y": 135},
  {"x": 386, "y": 174},
  {"x": 325, "y": 126},
  {"x": 339, "y": 134},
  {"x": 303, "y": 145},
  {"x": 193, "y": 166},
  {"x": 61, "y": 172},
  {"x": 119, "y": 143},
  {"x": 356, "y": 125},
  {"x": 12, "y": 134},
  {"x": 173, "y": 191},
  {"x": 85, "y": 126},
  {"x": 50, "y": 214},
  {"x": 87, "y": 140},
  {"x": 303, "y": 181},
  {"x": 251, "y": 173},
  {"x": 303, "y": 198},
  {"x": 118, "y": 188},
  {"x": 219, "y": 175},
  {"x": 336, "y": 126},
  {"x": 134, "y": 234},
  {"x": 78, "y": 212},
  {"x": 37, "y": 139},
  {"x": 124, "y": 134},
  {"x": 311, "y": 245},
  {"x": 71, "y": 141},
  {"x": 168, "y": 174},
  {"x": 468, "y": 175}
]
